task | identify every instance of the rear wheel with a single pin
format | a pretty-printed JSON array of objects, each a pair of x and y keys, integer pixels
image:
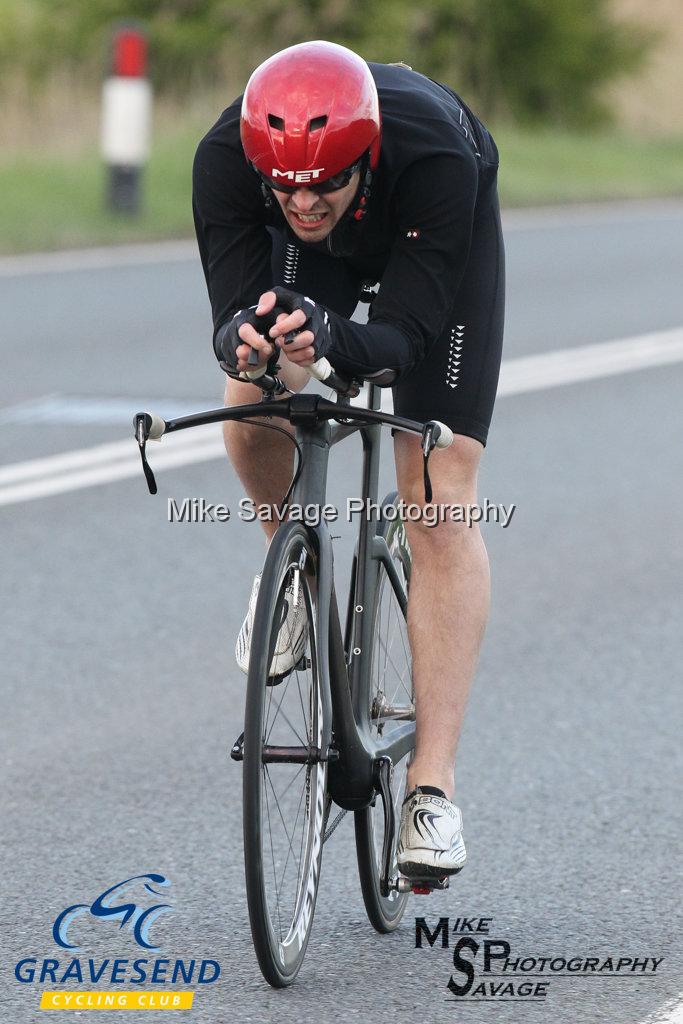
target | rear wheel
[
  {"x": 284, "y": 780},
  {"x": 391, "y": 703}
]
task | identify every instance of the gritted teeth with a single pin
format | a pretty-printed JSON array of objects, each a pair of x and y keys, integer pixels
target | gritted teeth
[{"x": 310, "y": 218}]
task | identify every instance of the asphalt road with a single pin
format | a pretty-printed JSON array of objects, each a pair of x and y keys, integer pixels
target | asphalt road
[{"x": 121, "y": 698}]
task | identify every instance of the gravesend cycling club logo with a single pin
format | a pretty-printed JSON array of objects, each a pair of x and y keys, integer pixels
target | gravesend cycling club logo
[
  {"x": 486, "y": 969},
  {"x": 138, "y": 918},
  {"x": 124, "y": 914}
]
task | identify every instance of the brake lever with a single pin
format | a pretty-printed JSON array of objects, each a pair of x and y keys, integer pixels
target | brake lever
[
  {"x": 147, "y": 426},
  {"x": 434, "y": 435}
]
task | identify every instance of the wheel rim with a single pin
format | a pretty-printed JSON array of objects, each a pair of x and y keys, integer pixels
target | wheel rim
[
  {"x": 292, "y": 796},
  {"x": 391, "y": 692}
]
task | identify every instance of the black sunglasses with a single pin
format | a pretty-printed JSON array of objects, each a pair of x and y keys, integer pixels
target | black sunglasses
[{"x": 333, "y": 184}]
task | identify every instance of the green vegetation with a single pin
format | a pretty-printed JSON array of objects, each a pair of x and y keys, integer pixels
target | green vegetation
[
  {"x": 58, "y": 202},
  {"x": 564, "y": 167},
  {"x": 536, "y": 61},
  {"x": 537, "y": 67},
  {"x": 54, "y": 203}
]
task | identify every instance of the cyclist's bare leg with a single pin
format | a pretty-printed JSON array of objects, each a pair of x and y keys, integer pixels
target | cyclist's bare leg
[
  {"x": 448, "y": 603},
  {"x": 263, "y": 459}
]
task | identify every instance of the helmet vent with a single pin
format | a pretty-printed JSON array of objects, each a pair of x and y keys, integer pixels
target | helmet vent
[
  {"x": 276, "y": 122},
  {"x": 317, "y": 123}
]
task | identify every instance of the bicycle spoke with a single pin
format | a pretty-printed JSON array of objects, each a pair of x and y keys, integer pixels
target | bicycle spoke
[
  {"x": 279, "y": 810},
  {"x": 272, "y": 853},
  {"x": 279, "y": 887},
  {"x": 298, "y": 863},
  {"x": 303, "y": 742},
  {"x": 397, "y": 671},
  {"x": 403, "y": 634},
  {"x": 284, "y": 715}
]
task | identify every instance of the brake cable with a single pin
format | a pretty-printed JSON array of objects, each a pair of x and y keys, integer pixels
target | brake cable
[
  {"x": 299, "y": 462},
  {"x": 143, "y": 424}
]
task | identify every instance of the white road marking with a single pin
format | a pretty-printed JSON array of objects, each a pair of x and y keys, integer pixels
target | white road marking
[
  {"x": 103, "y": 473},
  {"x": 670, "y": 1013},
  {"x": 102, "y": 455},
  {"x": 587, "y": 362},
  {"x": 70, "y": 471}
]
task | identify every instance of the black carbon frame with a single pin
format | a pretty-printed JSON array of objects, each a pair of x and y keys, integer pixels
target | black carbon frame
[{"x": 320, "y": 424}]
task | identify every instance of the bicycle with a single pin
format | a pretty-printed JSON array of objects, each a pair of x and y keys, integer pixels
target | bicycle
[{"x": 340, "y": 726}]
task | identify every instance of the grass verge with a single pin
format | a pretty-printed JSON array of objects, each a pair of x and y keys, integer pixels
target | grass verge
[
  {"x": 54, "y": 202},
  {"x": 560, "y": 167},
  {"x": 58, "y": 202}
]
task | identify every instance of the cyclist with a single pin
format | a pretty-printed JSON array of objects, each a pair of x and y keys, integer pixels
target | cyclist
[{"x": 329, "y": 173}]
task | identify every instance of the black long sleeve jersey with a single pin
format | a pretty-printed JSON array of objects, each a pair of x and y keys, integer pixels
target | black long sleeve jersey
[{"x": 414, "y": 239}]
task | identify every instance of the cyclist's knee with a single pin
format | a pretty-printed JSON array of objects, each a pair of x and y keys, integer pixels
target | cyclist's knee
[
  {"x": 238, "y": 392},
  {"x": 453, "y": 471}
]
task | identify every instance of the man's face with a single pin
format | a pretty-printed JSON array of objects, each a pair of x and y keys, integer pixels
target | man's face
[{"x": 312, "y": 216}]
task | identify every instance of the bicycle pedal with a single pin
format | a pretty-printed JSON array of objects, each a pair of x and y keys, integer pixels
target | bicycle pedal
[
  {"x": 421, "y": 886},
  {"x": 433, "y": 884}
]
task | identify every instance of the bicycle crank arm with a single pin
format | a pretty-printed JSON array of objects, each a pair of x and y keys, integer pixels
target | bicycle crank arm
[{"x": 383, "y": 772}]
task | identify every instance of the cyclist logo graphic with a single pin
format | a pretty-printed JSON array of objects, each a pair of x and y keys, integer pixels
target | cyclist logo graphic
[
  {"x": 425, "y": 820},
  {"x": 138, "y": 918}
]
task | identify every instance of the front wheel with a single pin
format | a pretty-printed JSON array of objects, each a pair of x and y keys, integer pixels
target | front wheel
[
  {"x": 391, "y": 702},
  {"x": 284, "y": 779}
]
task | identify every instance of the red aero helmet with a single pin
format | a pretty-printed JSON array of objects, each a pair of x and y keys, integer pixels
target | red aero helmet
[{"x": 309, "y": 112}]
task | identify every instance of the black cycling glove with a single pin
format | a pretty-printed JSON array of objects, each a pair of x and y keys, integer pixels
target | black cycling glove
[
  {"x": 317, "y": 320},
  {"x": 227, "y": 339}
]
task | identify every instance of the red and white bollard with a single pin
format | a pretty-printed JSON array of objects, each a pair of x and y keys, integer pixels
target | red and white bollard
[{"x": 126, "y": 119}]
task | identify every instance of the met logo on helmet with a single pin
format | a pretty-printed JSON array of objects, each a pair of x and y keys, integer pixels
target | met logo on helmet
[{"x": 298, "y": 176}]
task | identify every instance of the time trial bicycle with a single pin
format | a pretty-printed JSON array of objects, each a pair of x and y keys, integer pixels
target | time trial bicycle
[{"x": 339, "y": 727}]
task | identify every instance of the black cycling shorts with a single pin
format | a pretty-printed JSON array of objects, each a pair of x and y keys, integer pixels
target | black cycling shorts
[{"x": 457, "y": 379}]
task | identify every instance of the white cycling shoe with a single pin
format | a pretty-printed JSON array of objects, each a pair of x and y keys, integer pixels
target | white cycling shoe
[
  {"x": 292, "y": 637},
  {"x": 430, "y": 843}
]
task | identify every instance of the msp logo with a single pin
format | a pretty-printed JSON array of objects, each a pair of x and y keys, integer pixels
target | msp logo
[
  {"x": 488, "y": 970},
  {"x": 138, "y": 917}
]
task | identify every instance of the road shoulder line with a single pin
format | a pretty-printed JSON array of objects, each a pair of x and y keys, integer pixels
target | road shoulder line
[{"x": 69, "y": 471}]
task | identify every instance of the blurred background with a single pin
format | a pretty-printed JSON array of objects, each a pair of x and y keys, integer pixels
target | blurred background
[{"x": 584, "y": 97}]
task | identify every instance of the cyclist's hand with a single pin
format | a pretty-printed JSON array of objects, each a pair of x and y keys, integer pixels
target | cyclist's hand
[
  {"x": 302, "y": 347},
  {"x": 238, "y": 337}
]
